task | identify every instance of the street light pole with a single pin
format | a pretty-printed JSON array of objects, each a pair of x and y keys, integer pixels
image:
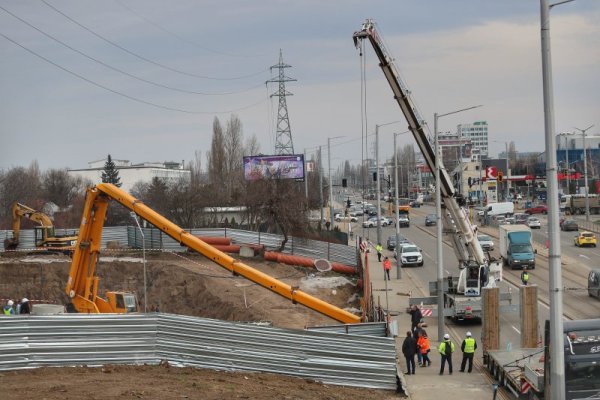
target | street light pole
[
  {"x": 556, "y": 380},
  {"x": 331, "y": 220},
  {"x": 438, "y": 210},
  {"x": 397, "y": 204},
  {"x": 321, "y": 185},
  {"x": 507, "y": 176},
  {"x": 135, "y": 218},
  {"x": 378, "y": 186},
  {"x": 585, "y": 174}
]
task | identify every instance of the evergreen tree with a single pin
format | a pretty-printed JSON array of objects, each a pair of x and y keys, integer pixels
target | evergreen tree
[{"x": 111, "y": 173}]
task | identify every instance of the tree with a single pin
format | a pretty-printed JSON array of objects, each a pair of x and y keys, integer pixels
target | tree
[
  {"x": 111, "y": 173},
  {"x": 61, "y": 188}
]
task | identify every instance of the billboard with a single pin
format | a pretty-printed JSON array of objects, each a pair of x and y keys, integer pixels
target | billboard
[{"x": 274, "y": 167}]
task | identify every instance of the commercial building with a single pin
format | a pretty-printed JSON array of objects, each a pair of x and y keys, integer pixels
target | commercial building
[
  {"x": 131, "y": 174},
  {"x": 477, "y": 132}
]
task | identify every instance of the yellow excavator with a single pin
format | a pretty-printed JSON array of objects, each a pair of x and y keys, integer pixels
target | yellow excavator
[
  {"x": 82, "y": 285},
  {"x": 45, "y": 235}
]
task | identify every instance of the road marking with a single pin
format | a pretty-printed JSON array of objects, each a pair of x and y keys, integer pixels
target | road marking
[
  {"x": 584, "y": 256},
  {"x": 516, "y": 330}
]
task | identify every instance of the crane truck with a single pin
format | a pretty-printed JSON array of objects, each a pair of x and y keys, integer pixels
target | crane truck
[
  {"x": 82, "y": 284},
  {"x": 45, "y": 234},
  {"x": 461, "y": 294}
]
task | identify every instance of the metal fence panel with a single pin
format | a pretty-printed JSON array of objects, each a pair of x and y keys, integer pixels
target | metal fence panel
[
  {"x": 70, "y": 340},
  {"x": 130, "y": 236},
  {"x": 365, "y": 329}
]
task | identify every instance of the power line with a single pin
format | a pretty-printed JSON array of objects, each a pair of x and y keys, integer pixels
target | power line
[
  {"x": 144, "y": 58},
  {"x": 118, "y": 69},
  {"x": 182, "y": 38},
  {"x": 123, "y": 94}
]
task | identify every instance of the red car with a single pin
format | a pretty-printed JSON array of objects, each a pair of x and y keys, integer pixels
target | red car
[{"x": 537, "y": 210}]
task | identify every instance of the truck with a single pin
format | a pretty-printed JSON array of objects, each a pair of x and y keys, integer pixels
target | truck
[
  {"x": 462, "y": 294},
  {"x": 45, "y": 233},
  {"x": 516, "y": 249},
  {"x": 575, "y": 203},
  {"x": 524, "y": 372},
  {"x": 82, "y": 284},
  {"x": 506, "y": 208}
]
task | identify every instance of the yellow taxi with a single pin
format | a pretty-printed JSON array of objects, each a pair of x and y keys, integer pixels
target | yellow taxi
[{"x": 585, "y": 239}]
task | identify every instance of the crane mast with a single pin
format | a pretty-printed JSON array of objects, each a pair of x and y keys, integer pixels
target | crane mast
[{"x": 455, "y": 218}]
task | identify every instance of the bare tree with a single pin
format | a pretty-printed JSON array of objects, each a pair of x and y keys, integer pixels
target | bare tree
[
  {"x": 61, "y": 188},
  {"x": 252, "y": 146},
  {"x": 216, "y": 154},
  {"x": 233, "y": 155},
  {"x": 21, "y": 185}
]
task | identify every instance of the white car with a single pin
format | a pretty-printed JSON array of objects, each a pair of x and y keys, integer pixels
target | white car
[
  {"x": 410, "y": 255},
  {"x": 486, "y": 242},
  {"x": 534, "y": 223}
]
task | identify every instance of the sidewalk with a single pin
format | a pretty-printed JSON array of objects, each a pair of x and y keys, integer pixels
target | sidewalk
[{"x": 426, "y": 384}]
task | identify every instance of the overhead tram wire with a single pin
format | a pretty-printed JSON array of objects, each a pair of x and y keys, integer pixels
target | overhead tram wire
[
  {"x": 184, "y": 39},
  {"x": 118, "y": 69},
  {"x": 123, "y": 94},
  {"x": 147, "y": 59}
]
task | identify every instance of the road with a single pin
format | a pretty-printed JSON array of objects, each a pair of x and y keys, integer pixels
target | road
[{"x": 576, "y": 264}]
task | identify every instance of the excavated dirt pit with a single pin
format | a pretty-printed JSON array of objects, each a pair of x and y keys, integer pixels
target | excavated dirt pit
[{"x": 180, "y": 283}]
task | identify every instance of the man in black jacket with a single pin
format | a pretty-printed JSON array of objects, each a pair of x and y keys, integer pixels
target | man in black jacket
[
  {"x": 415, "y": 317},
  {"x": 409, "y": 349}
]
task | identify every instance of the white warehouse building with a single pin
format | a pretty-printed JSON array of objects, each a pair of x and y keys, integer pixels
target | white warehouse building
[{"x": 130, "y": 174}]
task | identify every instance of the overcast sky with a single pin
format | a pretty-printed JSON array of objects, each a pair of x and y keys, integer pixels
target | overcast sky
[{"x": 143, "y": 80}]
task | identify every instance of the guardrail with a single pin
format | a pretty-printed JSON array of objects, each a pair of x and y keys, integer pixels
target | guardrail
[{"x": 94, "y": 340}]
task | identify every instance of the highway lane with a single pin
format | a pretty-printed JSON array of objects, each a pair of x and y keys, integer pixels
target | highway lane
[{"x": 425, "y": 238}]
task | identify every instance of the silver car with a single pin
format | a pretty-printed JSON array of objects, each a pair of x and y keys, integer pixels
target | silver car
[{"x": 486, "y": 242}]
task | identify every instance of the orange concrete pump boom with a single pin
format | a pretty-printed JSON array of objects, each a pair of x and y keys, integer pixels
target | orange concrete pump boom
[{"x": 82, "y": 284}]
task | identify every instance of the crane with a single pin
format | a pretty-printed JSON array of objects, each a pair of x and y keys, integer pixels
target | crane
[{"x": 472, "y": 262}]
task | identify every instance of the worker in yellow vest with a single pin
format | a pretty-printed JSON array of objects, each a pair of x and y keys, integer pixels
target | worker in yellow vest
[
  {"x": 446, "y": 349},
  {"x": 379, "y": 249},
  {"x": 468, "y": 347}
]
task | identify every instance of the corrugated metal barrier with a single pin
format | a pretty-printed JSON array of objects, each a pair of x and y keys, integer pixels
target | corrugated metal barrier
[
  {"x": 72, "y": 340},
  {"x": 129, "y": 236}
]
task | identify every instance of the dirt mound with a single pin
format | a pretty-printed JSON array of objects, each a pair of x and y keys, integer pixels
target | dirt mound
[{"x": 186, "y": 284}]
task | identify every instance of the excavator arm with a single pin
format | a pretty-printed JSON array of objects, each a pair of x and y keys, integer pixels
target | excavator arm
[
  {"x": 82, "y": 285},
  {"x": 456, "y": 221}
]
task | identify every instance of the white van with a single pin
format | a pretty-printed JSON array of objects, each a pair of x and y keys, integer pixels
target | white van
[{"x": 507, "y": 208}]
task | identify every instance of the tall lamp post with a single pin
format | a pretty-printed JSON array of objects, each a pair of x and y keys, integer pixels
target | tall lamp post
[
  {"x": 397, "y": 203},
  {"x": 378, "y": 189},
  {"x": 135, "y": 218},
  {"x": 565, "y": 134},
  {"x": 585, "y": 174},
  {"x": 556, "y": 387},
  {"x": 331, "y": 221},
  {"x": 438, "y": 210}
]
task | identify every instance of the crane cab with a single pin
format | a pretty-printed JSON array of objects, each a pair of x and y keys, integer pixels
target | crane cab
[{"x": 122, "y": 302}]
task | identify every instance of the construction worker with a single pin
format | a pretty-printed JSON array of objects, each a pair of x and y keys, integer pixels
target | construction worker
[
  {"x": 424, "y": 348},
  {"x": 468, "y": 347},
  {"x": 25, "y": 307},
  {"x": 524, "y": 277},
  {"x": 8, "y": 308},
  {"x": 415, "y": 317},
  {"x": 446, "y": 349},
  {"x": 409, "y": 349},
  {"x": 379, "y": 249},
  {"x": 387, "y": 265}
]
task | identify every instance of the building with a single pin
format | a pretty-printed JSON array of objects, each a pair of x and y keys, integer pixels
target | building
[
  {"x": 131, "y": 174},
  {"x": 477, "y": 132}
]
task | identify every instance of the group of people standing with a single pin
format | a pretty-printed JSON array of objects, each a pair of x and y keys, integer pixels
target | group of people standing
[
  {"x": 417, "y": 343},
  {"x": 23, "y": 307}
]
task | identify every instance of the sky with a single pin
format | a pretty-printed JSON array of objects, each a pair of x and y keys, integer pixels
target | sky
[{"x": 143, "y": 80}]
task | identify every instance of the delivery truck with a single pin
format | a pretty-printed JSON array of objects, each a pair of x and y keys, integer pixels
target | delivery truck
[{"x": 516, "y": 248}]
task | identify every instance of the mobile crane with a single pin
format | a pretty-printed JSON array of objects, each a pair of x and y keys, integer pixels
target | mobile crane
[
  {"x": 82, "y": 285},
  {"x": 45, "y": 235},
  {"x": 461, "y": 296}
]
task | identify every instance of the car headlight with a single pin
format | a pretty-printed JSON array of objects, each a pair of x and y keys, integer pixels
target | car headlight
[{"x": 403, "y": 259}]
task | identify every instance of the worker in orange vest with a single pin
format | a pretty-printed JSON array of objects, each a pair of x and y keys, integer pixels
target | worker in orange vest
[
  {"x": 387, "y": 265},
  {"x": 423, "y": 345}
]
